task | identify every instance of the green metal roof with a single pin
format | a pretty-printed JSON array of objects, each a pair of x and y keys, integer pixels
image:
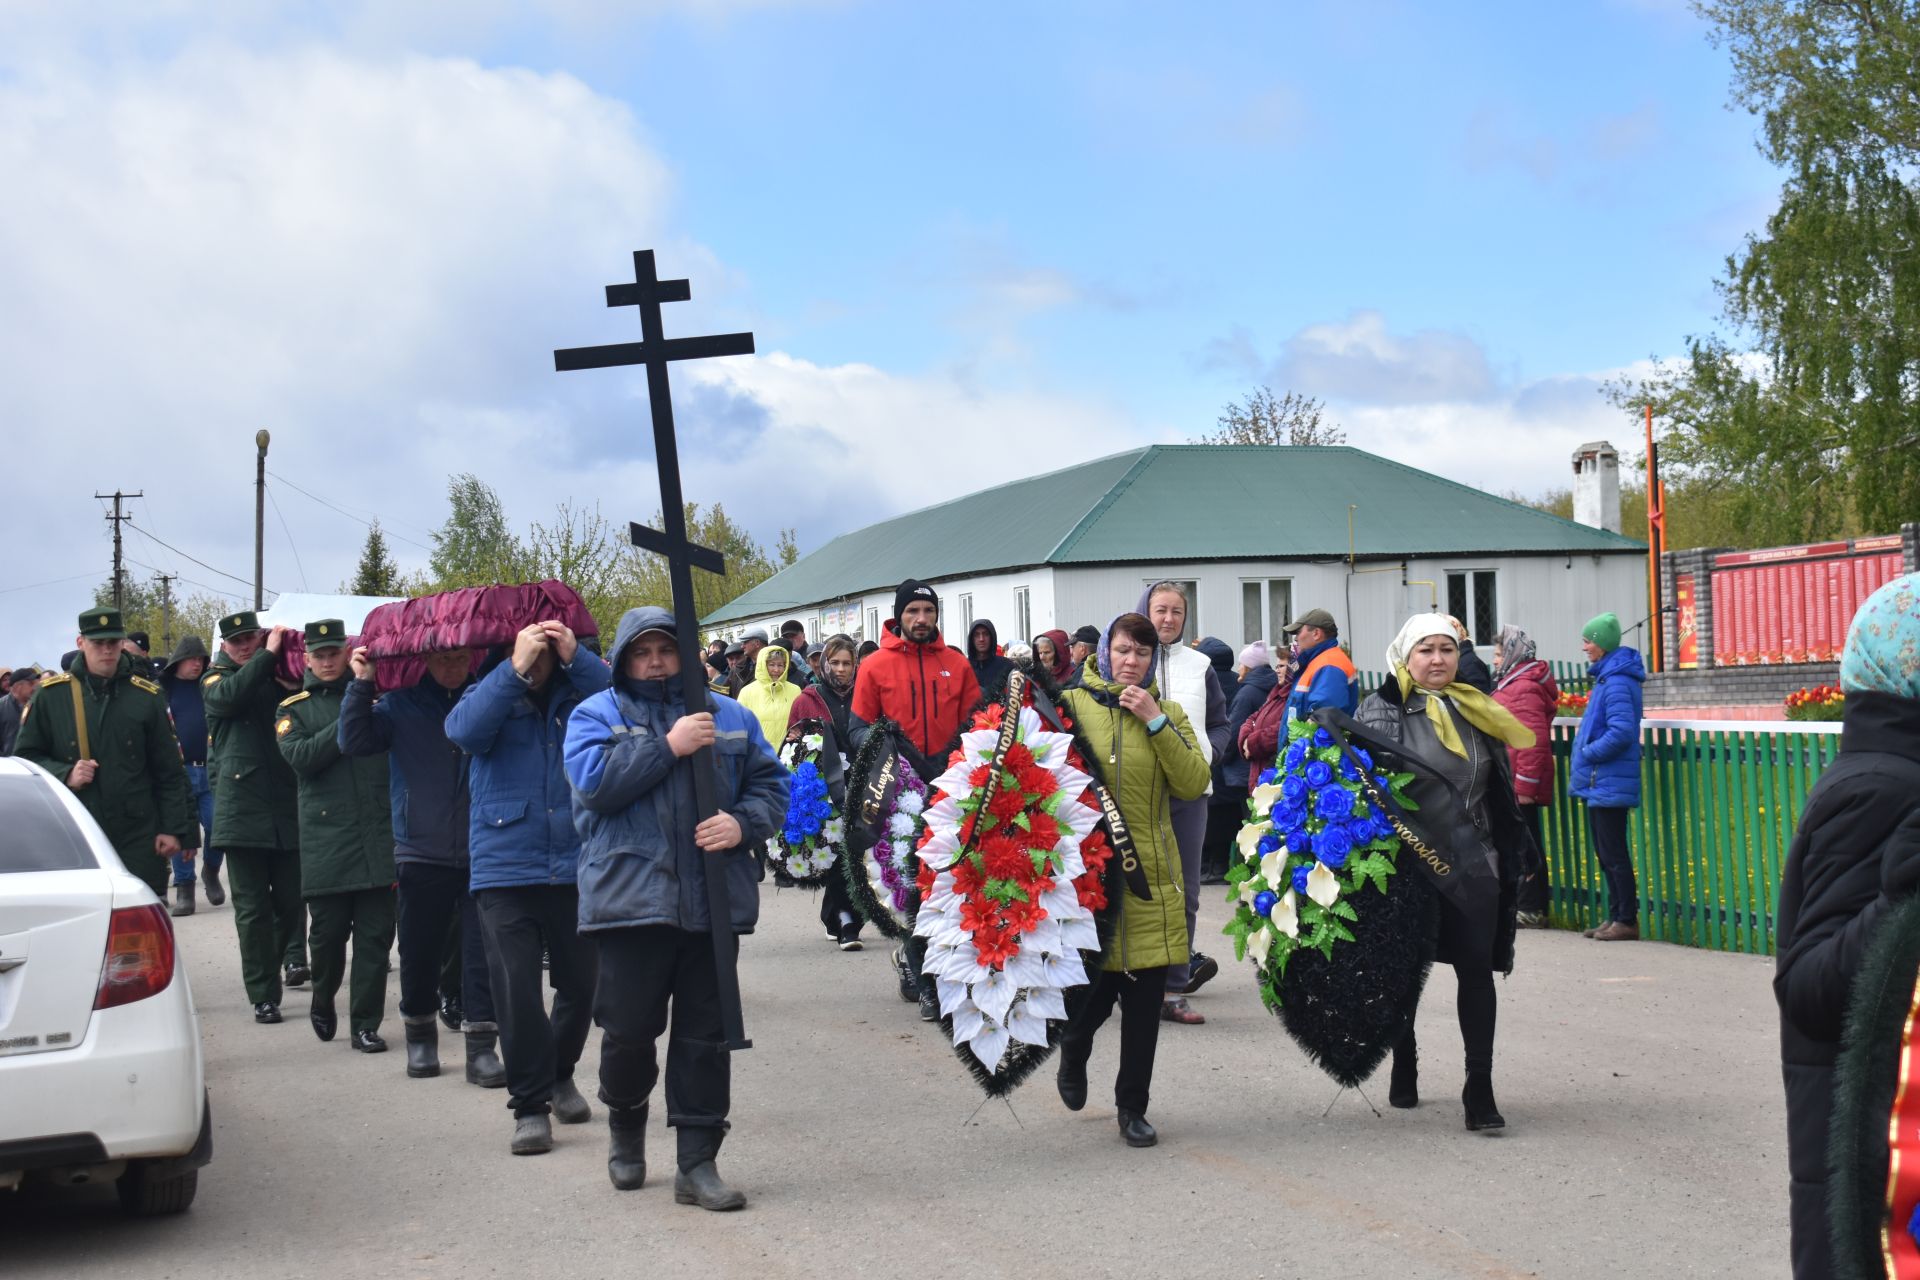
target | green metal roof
[{"x": 1178, "y": 502}]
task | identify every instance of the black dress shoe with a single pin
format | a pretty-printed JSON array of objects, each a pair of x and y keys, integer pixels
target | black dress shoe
[
  {"x": 295, "y": 975},
  {"x": 1203, "y": 971},
  {"x": 1135, "y": 1129},
  {"x": 1072, "y": 1082},
  {"x": 451, "y": 1013},
  {"x": 321, "y": 1015},
  {"x": 266, "y": 1011},
  {"x": 369, "y": 1042},
  {"x": 1403, "y": 1087}
]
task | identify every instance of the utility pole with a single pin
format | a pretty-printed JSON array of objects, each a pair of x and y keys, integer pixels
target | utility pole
[
  {"x": 119, "y": 573},
  {"x": 166, "y": 581},
  {"x": 261, "y": 439}
]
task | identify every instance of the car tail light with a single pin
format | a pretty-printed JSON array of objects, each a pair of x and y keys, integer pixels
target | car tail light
[{"x": 139, "y": 959}]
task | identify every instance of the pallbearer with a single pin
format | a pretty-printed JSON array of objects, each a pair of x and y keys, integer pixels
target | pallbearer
[
  {"x": 346, "y": 844},
  {"x": 643, "y": 893},
  {"x": 255, "y": 809}
]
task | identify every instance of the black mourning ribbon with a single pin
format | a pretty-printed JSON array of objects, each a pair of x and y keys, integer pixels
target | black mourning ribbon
[{"x": 1117, "y": 831}]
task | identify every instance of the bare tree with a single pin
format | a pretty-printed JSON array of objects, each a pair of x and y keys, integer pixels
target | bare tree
[{"x": 1265, "y": 418}]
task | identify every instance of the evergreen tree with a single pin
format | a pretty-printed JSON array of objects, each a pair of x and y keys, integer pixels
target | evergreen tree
[{"x": 377, "y": 574}]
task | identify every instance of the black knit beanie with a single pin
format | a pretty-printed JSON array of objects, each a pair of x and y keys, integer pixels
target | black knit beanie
[{"x": 910, "y": 590}]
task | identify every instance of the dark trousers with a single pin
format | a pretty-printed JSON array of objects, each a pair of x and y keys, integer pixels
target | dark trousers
[
  {"x": 643, "y": 970},
  {"x": 366, "y": 916},
  {"x": 1608, "y": 827},
  {"x": 1139, "y": 994},
  {"x": 518, "y": 922},
  {"x": 1535, "y": 890},
  {"x": 835, "y": 900},
  {"x": 151, "y": 868},
  {"x": 268, "y": 916},
  {"x": 1477, "y": 1005},
  {"x": 1226, "y": 813},
  {"x": 436, "y": 914}
]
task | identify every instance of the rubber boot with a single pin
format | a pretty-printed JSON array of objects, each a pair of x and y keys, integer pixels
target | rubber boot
[
  {"x": 216, "y": 894},
  {"x": 484, "y": 1067},
  {"x": 182, "y": 900},
  {"x": 423, "y": 1047},
  {"x": 703, "y": 1185},
  {"x": 532, "y": 1135},
  {"x": 627, "y": 1147},
  {"x": 1403, "y": 1090},
  {"x": 569, "y": 1107}
]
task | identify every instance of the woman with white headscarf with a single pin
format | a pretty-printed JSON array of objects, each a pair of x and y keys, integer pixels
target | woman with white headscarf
[{"x": 1461, "y": 734}]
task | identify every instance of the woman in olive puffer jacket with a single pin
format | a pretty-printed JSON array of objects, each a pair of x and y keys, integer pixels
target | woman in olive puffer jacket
[{"x": 1146, "y": 753}]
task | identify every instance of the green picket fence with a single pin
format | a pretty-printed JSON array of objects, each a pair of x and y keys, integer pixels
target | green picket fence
[{"x": 1719, "y": 802}]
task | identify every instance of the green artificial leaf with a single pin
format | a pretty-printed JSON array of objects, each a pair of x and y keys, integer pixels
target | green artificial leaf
[
  {"x": 1023, "y": 822},
  {"x": 1339, "y": 931},
  {"x": 1344, "y": 911},
  {"x": 1005, "y": 891}
]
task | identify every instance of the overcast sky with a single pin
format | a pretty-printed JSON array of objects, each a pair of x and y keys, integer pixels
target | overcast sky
[{"x": 972, "y": 242}]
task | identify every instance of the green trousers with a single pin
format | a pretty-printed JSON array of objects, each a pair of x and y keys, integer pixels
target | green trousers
[
  {"x": 142, "y": 861},
  {"x": 268, "y": 917},
  {"x": 365, "y": 915}
]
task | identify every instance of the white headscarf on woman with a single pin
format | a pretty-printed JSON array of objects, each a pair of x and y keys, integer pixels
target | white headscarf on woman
[{"x": 1479, "y": 710}]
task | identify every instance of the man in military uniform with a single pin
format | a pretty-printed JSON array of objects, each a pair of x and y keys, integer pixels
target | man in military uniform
[
  {"x": 102, "y": 728},
  {"x": 346, "y": 843},
  {"x": 254, "y": 810}
]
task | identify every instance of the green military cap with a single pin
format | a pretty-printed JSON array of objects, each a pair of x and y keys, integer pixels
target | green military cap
[
  {"x": 239, "y": 624},
  {"x": 328, "y": 633},
  {"x": 102, "y": 622}
]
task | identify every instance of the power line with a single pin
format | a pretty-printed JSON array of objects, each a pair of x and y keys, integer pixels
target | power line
[
  {"x": 245, "y": 582},
  {"x": 296, "y": 551},
  {"x": 334, "y": 506},
  {"x": 223, "y": 593},
  {"x": 48, "y": 583}
]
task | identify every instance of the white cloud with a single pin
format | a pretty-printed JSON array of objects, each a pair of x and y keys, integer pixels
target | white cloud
[{"x": 1359, "y": 359}]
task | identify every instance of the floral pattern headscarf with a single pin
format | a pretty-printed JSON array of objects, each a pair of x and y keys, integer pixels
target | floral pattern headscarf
[
  {"x": 1513, "y": 647},
  {"x": 1883, "y": 644}
]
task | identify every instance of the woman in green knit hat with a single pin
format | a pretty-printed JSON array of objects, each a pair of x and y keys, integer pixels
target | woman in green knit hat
[{"x": 1605, "y": 769}]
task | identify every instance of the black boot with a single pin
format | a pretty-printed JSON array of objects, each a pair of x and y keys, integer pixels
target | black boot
[
  {"x": 569, "y": 1107},
  {"x": 1072, "y": 1080},
  {"x": 1403, "y": 1090},
  {"x": 1477, "y": 1098},
  {"x": 423, "y": 1047},
  {"x": 627, "y": 1147},
  {"x": 451, "y": 1013},
  {"x": 484, "y": 1067},
  {"x": 182, "y": 900},
  {"x": 215, "y": 893}
]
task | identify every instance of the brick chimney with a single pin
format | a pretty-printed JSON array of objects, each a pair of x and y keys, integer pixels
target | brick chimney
[{"x": 1596, "y": 486}]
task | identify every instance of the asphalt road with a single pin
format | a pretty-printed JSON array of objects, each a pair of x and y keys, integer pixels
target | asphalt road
[{"x": 1639, "y": 1082}]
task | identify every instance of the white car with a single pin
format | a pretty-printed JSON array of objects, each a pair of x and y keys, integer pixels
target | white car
[{"x": 101, "y": 1075}]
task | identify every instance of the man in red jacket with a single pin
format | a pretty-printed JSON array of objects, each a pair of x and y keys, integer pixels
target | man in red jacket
[{"x": 926, "y": 687}]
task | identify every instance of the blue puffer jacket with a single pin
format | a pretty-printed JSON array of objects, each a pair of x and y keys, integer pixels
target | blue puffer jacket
[
  {"x": 427, "y": 773},
  {"x": 633, "y": 802},
  {"x": 1605, "y": 771},
  {"x": 522, "y": 825}
]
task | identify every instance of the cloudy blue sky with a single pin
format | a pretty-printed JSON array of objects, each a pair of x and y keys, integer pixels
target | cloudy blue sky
[{"x": 971, "y": 242}]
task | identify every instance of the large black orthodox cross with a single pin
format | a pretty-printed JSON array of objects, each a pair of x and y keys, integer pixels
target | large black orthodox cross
[{"x": 656, "y": 351}]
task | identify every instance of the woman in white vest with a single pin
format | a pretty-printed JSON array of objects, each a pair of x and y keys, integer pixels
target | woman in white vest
[{"x": 1185, "y": 676}]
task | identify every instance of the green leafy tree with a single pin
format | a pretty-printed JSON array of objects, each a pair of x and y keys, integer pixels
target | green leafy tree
[
  {"x": 748, "y": 564},
  {"x": 588, "y": 553},
  {"x": 475, "y": 547},
  {"x": 1804, "y": 420},
  {"x": 146, "y": 608},
  {"x": 377, "y": 574},
  {"x": 1265, "y": 418}
]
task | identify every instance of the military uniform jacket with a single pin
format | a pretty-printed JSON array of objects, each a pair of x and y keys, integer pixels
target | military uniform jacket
[
  {"x": 346, "y": 822},
  {"x": 140, "y": 790},
  {"x": 253, "y": 788}
]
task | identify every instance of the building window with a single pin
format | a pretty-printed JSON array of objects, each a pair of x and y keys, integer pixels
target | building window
[
  {"x": 1266, "y": 606},
  {"x": 873, "y": 625},
  {"x": 1474, "y": 598},
  {"x": 1022, "y": 615},
  {"x": 966, "y": 613},
  {"x": 1192, "y": 590}
]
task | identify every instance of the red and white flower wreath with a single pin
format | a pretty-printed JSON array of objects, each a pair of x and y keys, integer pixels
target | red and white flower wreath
[{"x": 1007, "y": 912}]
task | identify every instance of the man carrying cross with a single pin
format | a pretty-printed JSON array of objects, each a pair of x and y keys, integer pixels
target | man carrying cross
[{"x": 645, "y": 859}]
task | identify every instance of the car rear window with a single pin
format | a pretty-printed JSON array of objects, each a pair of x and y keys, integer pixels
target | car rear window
[{"x": 36, "y": 832}]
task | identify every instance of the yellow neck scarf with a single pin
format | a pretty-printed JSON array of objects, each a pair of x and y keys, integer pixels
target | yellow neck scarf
[{"x": 1482, "y": 712}]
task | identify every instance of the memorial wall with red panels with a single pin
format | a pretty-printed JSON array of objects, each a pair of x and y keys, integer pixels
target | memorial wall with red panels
[{"x": 1793, "y": 604}]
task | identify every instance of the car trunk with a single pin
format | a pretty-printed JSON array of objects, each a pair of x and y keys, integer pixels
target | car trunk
[{"x": 53, "y": 936}]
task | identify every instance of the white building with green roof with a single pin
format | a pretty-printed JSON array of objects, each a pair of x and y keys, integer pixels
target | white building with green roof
[{"x": 1259, "y": 534}]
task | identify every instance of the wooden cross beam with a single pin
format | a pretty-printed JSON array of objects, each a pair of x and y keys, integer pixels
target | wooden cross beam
[{"x": 656, "y": 351}]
